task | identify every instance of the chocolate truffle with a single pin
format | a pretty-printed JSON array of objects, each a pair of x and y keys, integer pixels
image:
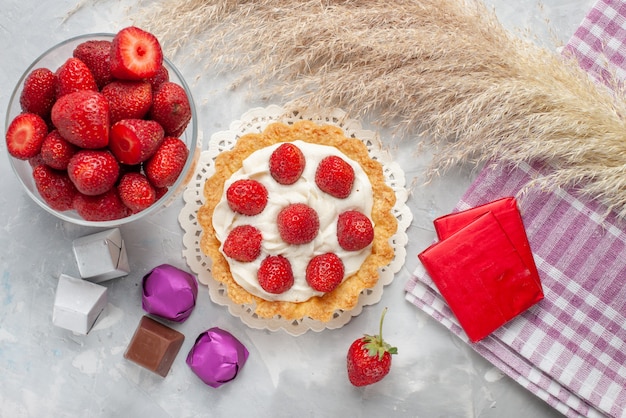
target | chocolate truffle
[
  {"x": 217, "y": 357},
  {"x": 169, "y": 292}
]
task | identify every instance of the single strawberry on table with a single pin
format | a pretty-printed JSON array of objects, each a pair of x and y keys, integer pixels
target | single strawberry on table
[
  {"x": 25, "y": 134},
  {"x": 82, "y": 118},
  {"x": 39, "y": 92},
  {"x": 135, "y": 54},
  {"x": 133, "y": 141},
  {"x": 96, "y": 54},
  {"x": 369, "y": 358}
]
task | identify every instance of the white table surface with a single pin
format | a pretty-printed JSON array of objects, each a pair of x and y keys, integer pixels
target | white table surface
[{"x": 46, "y": 371}]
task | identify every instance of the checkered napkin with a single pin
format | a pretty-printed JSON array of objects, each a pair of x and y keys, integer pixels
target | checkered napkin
[{"x": 570, "y": 348}]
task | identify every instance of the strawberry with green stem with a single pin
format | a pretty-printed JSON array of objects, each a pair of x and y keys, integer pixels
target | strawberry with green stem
[{"x": 369, "y": 358}]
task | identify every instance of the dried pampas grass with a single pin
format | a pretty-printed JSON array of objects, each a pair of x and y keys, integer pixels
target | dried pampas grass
[{"x": 442, "y": 68}]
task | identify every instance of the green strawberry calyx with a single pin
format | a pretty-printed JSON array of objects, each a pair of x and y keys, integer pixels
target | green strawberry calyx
[{"x": 376, "y": 345}]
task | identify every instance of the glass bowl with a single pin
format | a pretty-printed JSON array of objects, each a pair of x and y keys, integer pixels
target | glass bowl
[{"x": 52, "y": 59}]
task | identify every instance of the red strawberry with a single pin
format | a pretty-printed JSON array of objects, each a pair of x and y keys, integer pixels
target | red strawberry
[
  {"x": 171, "y": 108},
  {"x": 164, "y": 167},
  {"x": 96, "y": 54},
  {"x": 56, "y": 151},
  {"x": 243, "y": 243},
  {"x": 35, "y": 161},
  {"x": 105, "y": 207},
  {"x": 287, "y": 163},
  {"x": 25, "y": 135},
  {"x": 275, "y": 274},
  {"x": 128, "y": 99},
  {"x": 136, "y": 191},
  {"x": 133, "y": 141},
  {"x": 55, "y": 187},
  {"x": 335, "y": 177},
  {"x": 73, "y": 76},
  {"x": 39, "y": 92},
  {"x": 354, "y": 230},
  {"x": 159, "y": 78},
  {"x": 298, "y": 224},
  {"x": 93, "y": 172},
  {"x": 160, "y": 192},
  {"x": 82, "y": 118},
  {"x": 135, "y": 54},
  {"x": 247, "y": 197},
  {"x": 325, "y": 272},
  {"x": 369, "y": 358}
]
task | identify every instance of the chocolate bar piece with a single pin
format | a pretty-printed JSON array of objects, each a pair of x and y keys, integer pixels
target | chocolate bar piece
[
  {"x": 154, "y": 346},
  {"x": 481, "y": 276}
]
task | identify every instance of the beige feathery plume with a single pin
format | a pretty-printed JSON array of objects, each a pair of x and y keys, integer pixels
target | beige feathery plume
[{"x": 445, "y": 69}]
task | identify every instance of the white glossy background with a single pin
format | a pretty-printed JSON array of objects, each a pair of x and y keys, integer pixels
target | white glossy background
[{"x": 46, "y": 371}]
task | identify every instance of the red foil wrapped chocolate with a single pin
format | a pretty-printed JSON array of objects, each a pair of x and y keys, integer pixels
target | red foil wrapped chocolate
[
  {"x": 508, "y": 216},
  {"x": 483, "y": 267},
  {"x": 217, "y": 357},
  {"x": 169, "y": 292}
]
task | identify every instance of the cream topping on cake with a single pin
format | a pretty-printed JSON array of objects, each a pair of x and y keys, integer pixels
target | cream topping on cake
[{"x": 328, "y": 208}]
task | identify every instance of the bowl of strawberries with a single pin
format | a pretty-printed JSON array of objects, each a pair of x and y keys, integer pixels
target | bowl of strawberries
[{"x": 101, "y": 129}]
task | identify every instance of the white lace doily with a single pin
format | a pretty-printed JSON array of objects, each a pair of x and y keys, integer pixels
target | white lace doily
[{"x": 255, "y": 120}]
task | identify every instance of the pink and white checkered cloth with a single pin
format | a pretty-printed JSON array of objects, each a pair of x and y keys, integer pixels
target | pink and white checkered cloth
[{"x": 570, "y": 348}]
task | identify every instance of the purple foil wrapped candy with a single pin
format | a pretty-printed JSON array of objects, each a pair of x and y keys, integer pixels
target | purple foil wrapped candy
[
  {"x": 217, "y": 357},
  {"x": 169, "y": 293}
]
